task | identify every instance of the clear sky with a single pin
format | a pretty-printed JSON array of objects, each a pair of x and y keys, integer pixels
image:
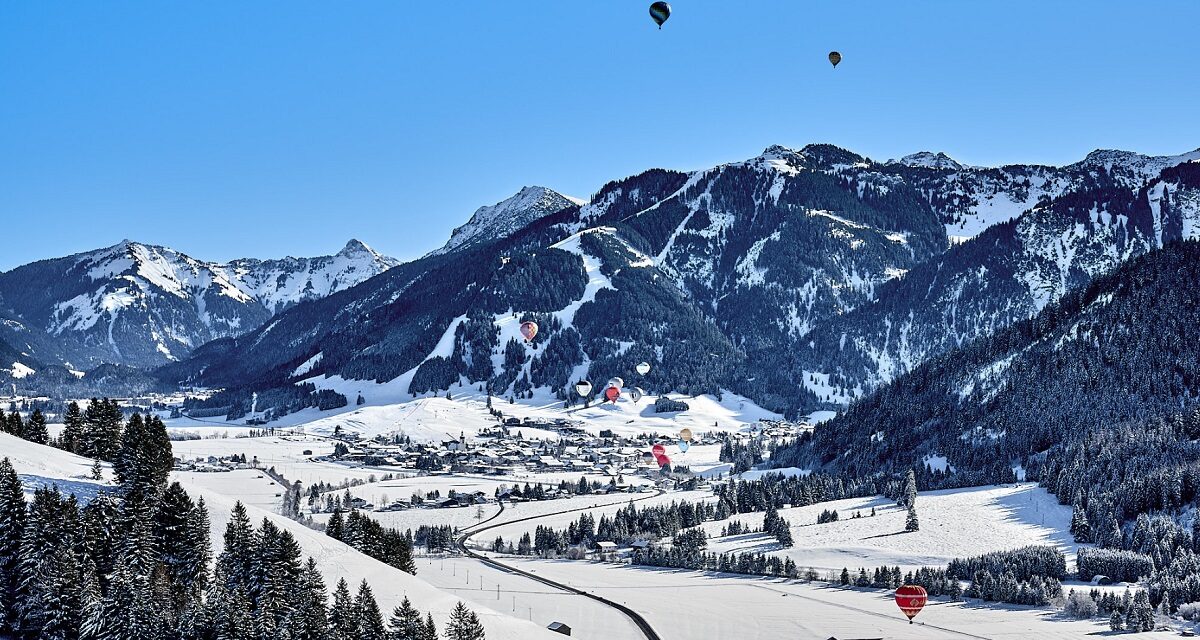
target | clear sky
[{"x": 229, "y": 129}]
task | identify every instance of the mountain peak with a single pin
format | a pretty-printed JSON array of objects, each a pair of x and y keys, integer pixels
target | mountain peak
[
  {"x": 507, "y": 216},
  {"x": 930, "y": 160},
  {"x": 356, "y": 247}
]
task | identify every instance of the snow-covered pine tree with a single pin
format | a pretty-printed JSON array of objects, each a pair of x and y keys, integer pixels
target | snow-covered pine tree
[
  {"x": 368, "y": 616},
  {"x": 12, "y": 526},
  {"x": 343, "y": 624},
  {"x": 35, "y": 428},
  {"x": 463, "y": 624},
  {"x": 405, "y": 623},
  {"x": 912, "y": 523}
]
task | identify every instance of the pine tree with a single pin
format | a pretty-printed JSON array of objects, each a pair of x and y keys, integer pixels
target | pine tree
[
  {"x": 405, "y": 623},
  {"x": 12, "y": 527},
  {"x": 1080, "y": 529},
  {"x": 1115, "y": 621},
  {"x": 343, "y": 623},
  {"x": 912, "y": 524},
  {"x": 35, "y": 428},
  {"x": 72, "y": 434},
  {"x": 909, "y": 496},
  {"x": 430, "y": 630},
  {"x": 369, "y": 618},
  {"x": 463, "y": 624}
]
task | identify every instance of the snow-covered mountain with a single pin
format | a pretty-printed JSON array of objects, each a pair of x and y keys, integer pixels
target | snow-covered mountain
[
  {"x": 142, "y": 305},
  {"x": 281, "y": 283},
  {"x": 507, "y": 217}
]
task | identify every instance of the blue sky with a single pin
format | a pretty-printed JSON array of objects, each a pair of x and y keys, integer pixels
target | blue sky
[{"x": 262, "y": 129}]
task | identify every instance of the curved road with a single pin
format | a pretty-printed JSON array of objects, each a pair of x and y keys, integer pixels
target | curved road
[{"x": 476, "y": 529}]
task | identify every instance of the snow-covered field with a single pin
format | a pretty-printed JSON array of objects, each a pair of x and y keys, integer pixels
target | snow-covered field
[
  {"x": 691, "y": 605},
  {"x": 955, "y": 523}
]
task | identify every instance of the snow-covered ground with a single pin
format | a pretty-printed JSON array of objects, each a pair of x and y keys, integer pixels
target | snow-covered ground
[
  {"x": 690, "y": 605},
  {"x": 955, "y": 523}
]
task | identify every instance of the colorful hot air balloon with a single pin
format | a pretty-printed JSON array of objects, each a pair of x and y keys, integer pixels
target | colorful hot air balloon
[
  {"x": 643, "y": 368},
  {"x": 583, "y": 387},
  {"x": 685, "y": 434},
  {"x": 834, "y": 58},
  {"x": 616, "y": 382},
  {"x": 663, "y": 462},
  {"x": 648, "y": 457},
  {"x": 529, "y": 330},
  {"x": 611, "y": 394},
  {"x": 658, "y": 450},
  {"x": 684, "y": 446},
  {"x": 660, "y": 11},
  {"x": 911, "y": 599},
  {"x": 636, "y": 394}
]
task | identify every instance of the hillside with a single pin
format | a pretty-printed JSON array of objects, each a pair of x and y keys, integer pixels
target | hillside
[{"x": 1119, "y": 351}]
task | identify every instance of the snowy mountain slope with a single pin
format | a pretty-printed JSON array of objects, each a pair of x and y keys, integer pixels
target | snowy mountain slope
[
  {"x": 1117, "y": 350},
  {"x": 1007, "y": 274},
  {"x": 280, "y": 283},
  {"x": 143, "y": 305},
  {"x": 507, "y": 217}
]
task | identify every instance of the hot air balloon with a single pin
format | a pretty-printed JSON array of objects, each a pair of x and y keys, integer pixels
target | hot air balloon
[
  {"x": 529, "y": 329},
  {"x": 658, "y": 450},
  {"x": 911, "y": 598},
  {"x": 583, "y": 387},
  {"x": 684, "y": 446},
  {"x": 835, "y": 58},
  {"x": 636, "y": 394},
  {"x": 616, "y": 382},
  {"x": 611, "y": 394},
  {"x": 663, "y": 462},
  {"x": 660, "y": 11},
  {"x": 685, "y": 434},
  {"x": 648, "y": 457},
  {"x": 643, "y": 368}
]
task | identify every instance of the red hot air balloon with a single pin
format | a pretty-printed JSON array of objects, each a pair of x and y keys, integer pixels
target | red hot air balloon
[
  {"x": 611, "y": 394},
  {"x": 910, "y": 599},
  {"x": 529, "y": 330},
  {"x": 658, "y": 450}
]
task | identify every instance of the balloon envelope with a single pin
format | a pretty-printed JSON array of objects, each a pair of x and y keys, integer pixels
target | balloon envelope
[
  {"x": 648, "y": 457},
  {"x": 583, "y": 387},
  {"x": 835, "y": 58},
  {"x": 683, "y": 446},
  {"x": 616, "y": 382},
  {"x": 636, "y": 394},
  {"x": 611, "y": 394},
  {"x": 685, "y": 434},
  {"x": 643, "y": 368},
  {"x": 658, "y": 450},
  {"x": 663, "y": 461},
  {"x": 529, "y": 329},
  {"x": 660, "y": 11},
  {"x": 911, "y": 599}
]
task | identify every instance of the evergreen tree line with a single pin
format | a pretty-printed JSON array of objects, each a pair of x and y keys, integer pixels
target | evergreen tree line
[
  {"x": 755, "y": 564},
  {"x": 385, "y": 544},
  {"x": 937, "y": 582},
  {"x": 33, "y": 429}
]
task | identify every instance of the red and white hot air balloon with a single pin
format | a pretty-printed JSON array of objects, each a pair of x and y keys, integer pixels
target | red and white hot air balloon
[
  {"x": 658, "y": 450},
  {"x": 611, "y": 394},
  {"x": 911, "y": 599},
  {"x": 529, "y": 329}
]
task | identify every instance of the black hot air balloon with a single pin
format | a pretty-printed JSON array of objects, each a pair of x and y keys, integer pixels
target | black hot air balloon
[
  {"x": 835, "y": 58},
  {"x": 660, "y": 11}
]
